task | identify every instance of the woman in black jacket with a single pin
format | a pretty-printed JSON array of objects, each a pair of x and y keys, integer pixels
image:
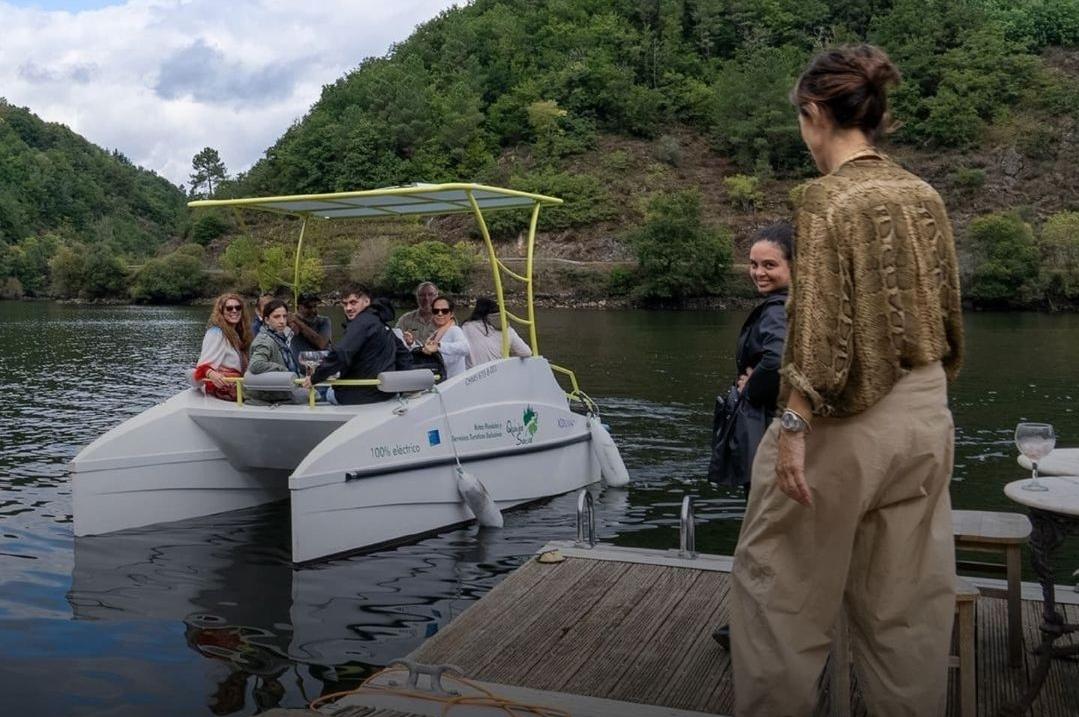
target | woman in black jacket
[{"x": 744, "y": 413}]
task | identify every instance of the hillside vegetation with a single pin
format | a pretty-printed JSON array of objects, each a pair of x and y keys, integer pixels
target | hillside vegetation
[
  {"x": 61, "y": 196},
  {"x": 665, "y": 124}
]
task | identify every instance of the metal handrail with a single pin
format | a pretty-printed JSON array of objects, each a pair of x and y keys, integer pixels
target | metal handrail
[
  {"x": 687, "y": 540},
  {"x": 586, "y": 517}
]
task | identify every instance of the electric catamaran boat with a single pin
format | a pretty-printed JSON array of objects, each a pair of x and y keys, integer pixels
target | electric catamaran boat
[{"x": 364, "y": 475}]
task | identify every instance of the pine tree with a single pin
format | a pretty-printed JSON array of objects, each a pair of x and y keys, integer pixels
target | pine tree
[{"x": 209, "y": 171}]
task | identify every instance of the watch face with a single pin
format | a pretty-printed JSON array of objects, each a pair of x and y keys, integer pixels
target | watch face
[{"x": 790, "y": 422}]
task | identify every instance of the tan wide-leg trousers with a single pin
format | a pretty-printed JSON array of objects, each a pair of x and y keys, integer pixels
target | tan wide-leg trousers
[{"x": 879, "y": 535}]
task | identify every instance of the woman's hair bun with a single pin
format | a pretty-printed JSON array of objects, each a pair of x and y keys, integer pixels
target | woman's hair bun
[{"x": 852, "y": 82}]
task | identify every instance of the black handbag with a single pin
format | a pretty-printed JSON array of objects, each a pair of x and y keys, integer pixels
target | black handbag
[{"x": 724, "y": 417}]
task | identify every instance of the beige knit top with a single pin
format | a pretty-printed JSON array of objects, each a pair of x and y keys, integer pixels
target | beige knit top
[{"x": 875, "y": 289}]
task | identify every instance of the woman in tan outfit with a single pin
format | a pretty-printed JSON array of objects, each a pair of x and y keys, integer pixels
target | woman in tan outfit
[{"x": 850, "y": 500}]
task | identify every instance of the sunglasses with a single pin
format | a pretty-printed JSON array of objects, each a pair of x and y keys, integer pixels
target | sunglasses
[
  {"x": 233, "y": 307},
  {"x": 441, "y": 311}
]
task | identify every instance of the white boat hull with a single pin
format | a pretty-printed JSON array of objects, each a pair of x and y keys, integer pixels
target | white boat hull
[{"x": 357, "y": 476}]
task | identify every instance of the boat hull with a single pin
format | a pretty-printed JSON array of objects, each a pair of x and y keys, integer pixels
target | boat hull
[{"x": 356, "y": 476}]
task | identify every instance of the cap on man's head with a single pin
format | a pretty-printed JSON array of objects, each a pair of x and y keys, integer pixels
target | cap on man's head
[{"x": 306, "y": 299}]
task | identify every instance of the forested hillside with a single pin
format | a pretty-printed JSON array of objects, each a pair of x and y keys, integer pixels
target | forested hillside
[
  {"x": 628, "y": 108},
  {"x": 70, "y": 203},
  {"x": 665, "y": 124}
]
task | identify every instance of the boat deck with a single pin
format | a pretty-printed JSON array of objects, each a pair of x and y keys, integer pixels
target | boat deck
[{"x": 635, "y": 626}]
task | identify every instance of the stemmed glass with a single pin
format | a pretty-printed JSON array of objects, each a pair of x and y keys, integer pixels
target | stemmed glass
[
  {"x": 1035, "y": 441},
  {"x": 311, "y": 359}
]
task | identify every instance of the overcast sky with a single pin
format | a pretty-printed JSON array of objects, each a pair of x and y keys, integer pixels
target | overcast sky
[{"x": 161, "y": 79}]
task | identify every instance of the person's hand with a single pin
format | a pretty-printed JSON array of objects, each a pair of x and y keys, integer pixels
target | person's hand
[
  {"x": 216, "y": 379},
  {"x": 790, "y": 467},
  {"x": 743, "y": 379},
  {"x": 409, "y": 338},
  {"x": 306, "y": 383},
  {"x": 294, "y": 322}
]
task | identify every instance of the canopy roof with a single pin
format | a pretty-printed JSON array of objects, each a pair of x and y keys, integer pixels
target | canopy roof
[{"x": 411, "y": 200}]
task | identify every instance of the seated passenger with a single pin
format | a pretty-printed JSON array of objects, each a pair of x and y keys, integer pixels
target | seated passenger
[
  {"x": 260, "y": 304},
  {"x": 418, "y": 325},
  {"x": 484, "y": 333},
  {"x": 448, "y": 340},
  {"x": 271, "y": 350},
  {"x": 310, "y": 330},
  {"x": 368, "y": 348},
  {"x": 224, "y": 347}
]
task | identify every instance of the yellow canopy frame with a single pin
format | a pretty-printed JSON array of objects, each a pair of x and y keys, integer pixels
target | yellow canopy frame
[{"x": 420, "y": 200}]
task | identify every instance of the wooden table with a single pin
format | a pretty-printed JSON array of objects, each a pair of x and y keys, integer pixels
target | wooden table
[
  {"x": 1054, "y": 514},
  {"x": 1061, "y": 462}
]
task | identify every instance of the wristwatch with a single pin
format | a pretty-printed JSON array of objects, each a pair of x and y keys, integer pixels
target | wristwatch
[{"x": 791, "y": 422}]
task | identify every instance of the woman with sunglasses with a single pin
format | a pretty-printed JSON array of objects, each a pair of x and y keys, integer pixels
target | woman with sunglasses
[
  {"x": 448, "y": 339},
  {"x": 224, "y": 347}
]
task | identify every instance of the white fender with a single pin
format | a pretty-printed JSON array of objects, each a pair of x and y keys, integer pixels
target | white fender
[
  {"x": 477, "y": 499},
  {"x": 610, "y": 460}
]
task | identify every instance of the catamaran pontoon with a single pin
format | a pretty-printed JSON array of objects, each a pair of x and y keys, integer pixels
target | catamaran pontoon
[{"x": 364, "y": 475}]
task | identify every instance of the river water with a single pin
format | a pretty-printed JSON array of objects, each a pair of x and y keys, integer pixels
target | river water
[{"x": 209, "y": 616}]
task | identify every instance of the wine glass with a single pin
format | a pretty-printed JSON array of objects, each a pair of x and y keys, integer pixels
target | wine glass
[
  {"x": 1035, "y": 441},
  {"x": 311, "y": 359}
]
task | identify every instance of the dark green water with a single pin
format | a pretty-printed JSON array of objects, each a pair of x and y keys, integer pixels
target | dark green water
[{"x": 209, "y": 617}]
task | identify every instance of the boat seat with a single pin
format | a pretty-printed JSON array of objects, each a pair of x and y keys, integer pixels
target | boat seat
[
  {"x": 283, "y": 381},
  {"x": 420, "y": 379}
]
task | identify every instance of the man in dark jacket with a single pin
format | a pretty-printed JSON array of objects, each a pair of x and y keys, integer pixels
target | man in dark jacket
[{"x": 368, "y": 348}]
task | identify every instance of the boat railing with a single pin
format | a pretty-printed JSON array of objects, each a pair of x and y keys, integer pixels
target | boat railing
[
  {"x": 575, "y": 393},
  {"x": 586, "y": 518}
]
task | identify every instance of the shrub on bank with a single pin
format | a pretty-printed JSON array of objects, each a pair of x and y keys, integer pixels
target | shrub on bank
[
  {"x": 409, "y": 264},
  {"x": 1005, "y": 259},
  {"x": 678, "y": 256},
  {"x": 94, "y": 272},
  {"x": 171, "y": 279},
  {"x": 1058, "y": 244}
]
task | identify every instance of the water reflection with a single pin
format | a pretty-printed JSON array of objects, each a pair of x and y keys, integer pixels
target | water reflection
[{"x": 283, "y": 635}]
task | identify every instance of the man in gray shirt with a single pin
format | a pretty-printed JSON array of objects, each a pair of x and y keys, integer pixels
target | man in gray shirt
[
  {"x": 418, "y": 325},
  {"x": 311, "y": 331}
]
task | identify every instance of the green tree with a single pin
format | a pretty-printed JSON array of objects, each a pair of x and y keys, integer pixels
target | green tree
[
  {"x": 241, "y": 260},
  {"x": 744, "y": 191},
  {"x": 174, "y": 278},
  {"x": 677, "y": 255},
  {"x": 277, "y": 268},
  {"x": 1059, "y": 247},
  {"x": 447, "y": 266},
  {"x": 1005, "y": 259},
  {"x": 209, "y": 226},
  {"x": 209, "y": 172}
]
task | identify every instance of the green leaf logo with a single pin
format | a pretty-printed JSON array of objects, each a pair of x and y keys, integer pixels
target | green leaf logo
[{"x": 531, "y": 420}]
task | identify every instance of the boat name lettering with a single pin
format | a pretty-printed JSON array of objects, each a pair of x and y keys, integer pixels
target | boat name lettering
[
  {"x": 566, "y": 423},
  {"x": 481, "y": 374}
]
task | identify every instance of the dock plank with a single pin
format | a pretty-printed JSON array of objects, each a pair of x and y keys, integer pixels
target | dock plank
[
  {"x": 601, "y": 675},
  {"x": 519, "y": 655},
  {"x": 558, "y": 659},
  {"x": 467, "y": 642},
  {"x": 640, "y": 632}
]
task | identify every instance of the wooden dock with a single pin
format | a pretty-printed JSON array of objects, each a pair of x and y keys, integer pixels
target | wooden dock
[{"x": 635, "y": 626}]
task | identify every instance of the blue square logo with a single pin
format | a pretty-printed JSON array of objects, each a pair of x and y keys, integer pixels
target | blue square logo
[{"x": 433, "y": 438}]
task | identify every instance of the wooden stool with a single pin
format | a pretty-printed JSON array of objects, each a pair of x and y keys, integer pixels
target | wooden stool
[
  {"x": 988, "y": 531},
  {"x": 966, "y": 595}
]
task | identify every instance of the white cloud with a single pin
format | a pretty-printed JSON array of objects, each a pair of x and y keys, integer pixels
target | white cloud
[{"x": 161, "y": 79}]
